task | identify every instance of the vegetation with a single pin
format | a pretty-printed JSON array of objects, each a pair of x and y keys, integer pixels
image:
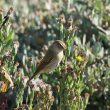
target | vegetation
[{"x": 81, "y": 82}]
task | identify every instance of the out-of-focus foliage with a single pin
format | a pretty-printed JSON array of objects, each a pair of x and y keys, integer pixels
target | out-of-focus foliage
[{"x": 82, "y": 80}]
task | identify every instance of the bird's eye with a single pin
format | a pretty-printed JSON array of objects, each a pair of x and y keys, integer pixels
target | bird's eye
[{"x": 59, "y": 46}]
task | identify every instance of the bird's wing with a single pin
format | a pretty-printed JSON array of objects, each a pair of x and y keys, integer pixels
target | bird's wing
[{"x": 44, "y": 62}]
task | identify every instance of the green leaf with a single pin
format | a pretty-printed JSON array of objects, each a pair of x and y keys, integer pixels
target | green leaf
[
  {"x": 96, "y": 48},
  {"x": 98, "y": 5},
  {"x": 9, "y": 38}
]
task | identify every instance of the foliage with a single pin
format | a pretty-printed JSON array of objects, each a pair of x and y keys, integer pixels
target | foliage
[{"x": 81, "y": 82}]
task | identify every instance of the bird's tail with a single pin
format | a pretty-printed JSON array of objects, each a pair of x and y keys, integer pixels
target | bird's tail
[{"x": 36, "y": 75}]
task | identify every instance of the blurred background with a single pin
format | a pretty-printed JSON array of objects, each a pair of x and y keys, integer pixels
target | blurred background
[{"x": 37, "y": 23}]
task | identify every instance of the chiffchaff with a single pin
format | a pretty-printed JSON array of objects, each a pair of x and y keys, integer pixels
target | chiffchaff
[{"x": 51, "y": 59}]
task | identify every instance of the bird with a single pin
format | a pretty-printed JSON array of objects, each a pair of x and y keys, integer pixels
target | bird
[{"x": 51, "y": 60}]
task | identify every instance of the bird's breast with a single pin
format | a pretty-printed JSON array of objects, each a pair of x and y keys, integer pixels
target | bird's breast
[
  {"x": 57, "y": 59},
  {"x": 55, "y": 62},
  {"x": 60, "y": 56}
]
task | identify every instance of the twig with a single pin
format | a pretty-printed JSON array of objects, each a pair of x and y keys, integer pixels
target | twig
[
  {"x": 6, "y": 18},
  {"x": 97, "y": 27}
]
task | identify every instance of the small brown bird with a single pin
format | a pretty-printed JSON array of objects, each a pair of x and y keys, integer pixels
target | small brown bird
[{"x": 52, "y": 58}]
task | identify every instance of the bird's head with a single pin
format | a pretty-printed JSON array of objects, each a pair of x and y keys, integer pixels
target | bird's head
[{"x": 58, "y": 46}]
